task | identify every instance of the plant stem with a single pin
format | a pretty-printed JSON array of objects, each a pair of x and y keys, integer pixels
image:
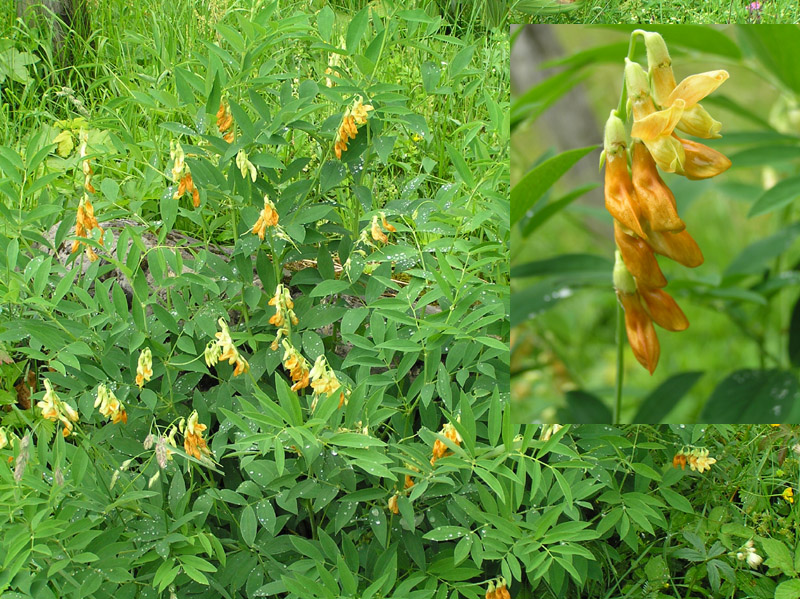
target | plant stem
[{"x": 620, "y": 362}]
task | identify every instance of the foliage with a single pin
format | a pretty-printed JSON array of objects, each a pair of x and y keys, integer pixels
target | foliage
[
  {"x": 737, "y": 361},
  {"x": 277, "y": 338},
  {"x": 611, "y": 516}
]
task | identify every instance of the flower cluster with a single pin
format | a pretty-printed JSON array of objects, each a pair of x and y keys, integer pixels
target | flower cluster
[
  {"x": 225, "y": 121},
  {"x": 144, "y": 368},
  {"x": 246, "y": 167},
  {"x": 296, "y": 364},
  {"x": 323, "y": 380},
  {"x": 224, "y": 349},
  {"x": 110, "y": 406},
  {"x": 379, "y": 235},
  {"x": 284, "y": 313},
  {"x": 54, "y": 409},
  {"x": 439, "y": 448},
  {"x": 646, "y": 221},
  {"x": 193, "y": 441},
  {"x": 498, "y": 592},
  {"x": 86, "y": 221},
  {"x": 267, "y": 218},
  {"x": 753, "y": 559},
  {"x": 181, "y": 174},
  {"x": 697, "y": 458},
  {"x": 348, "y": 129}
]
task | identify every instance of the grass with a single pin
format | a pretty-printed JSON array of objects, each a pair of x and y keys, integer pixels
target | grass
[{"x": 664, "y": 12}]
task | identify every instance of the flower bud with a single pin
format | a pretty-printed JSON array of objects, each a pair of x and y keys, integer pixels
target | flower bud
[
  {"x": 701, "y": 162},
  {"x": 641, "y": 333},
  {"x": 696, "y": 121},
  {"x": 620, "y": 196},
  {"x": 663, "y": 309},
  {"x": 659, "y": 65},
  {"x": 680, "y": 247},
  {"x": 655, "y": 198},
  {"x": 639, "y": 259},
  {"x": 623, "y": 281}
]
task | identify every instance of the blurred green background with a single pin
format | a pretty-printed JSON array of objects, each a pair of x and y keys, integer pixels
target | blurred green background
[{"x": 740, "y": 316}]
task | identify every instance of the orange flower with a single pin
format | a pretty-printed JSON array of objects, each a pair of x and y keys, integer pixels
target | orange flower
[
  {"x": 267, "y": 218},
  {"x": 654, "y": 198},
  {"x": 641, "y": 334},
  {"x": 357, "y": 114},
  {"x": 377, "y": 234},
  {"x": 144, "y": 369},
  {"x": 701, "y": 161},
  {"x": 393, "y": 504},
  {"x": 639, "y": 258},
  {"x": 110, "y": 406},
  {"x": 620, "y": 195},
  {"x": 225, "y": 121},
  {"x": 193, "y": 441},
  {"x": 439, "y": 447},
  {"x": 679, "y": 461},
  {"x": 296, "y": 364},
  {"x": 409, "y": 482}
]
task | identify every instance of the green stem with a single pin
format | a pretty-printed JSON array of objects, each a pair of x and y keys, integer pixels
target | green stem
[{"x": 620, "y": 362}]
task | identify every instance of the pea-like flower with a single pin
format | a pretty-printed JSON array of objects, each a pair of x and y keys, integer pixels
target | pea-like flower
[
  {"x": 348, "y": 129},
  {"x": 224, "y": 349},
  {"x": 110, "y": 406},
  {"x": 193, "y": 441},
  {"x": 267, "y": 218},
  {"x": 53, "y": 408},
  {"x": 144, "y": 368}
]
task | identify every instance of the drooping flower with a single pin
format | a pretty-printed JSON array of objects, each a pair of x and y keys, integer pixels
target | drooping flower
[
  {"x": 698, "y": 459},
  {"x": 144, "y": 368},
  {"x": 297, "y": 365},
  {"x": 323, "y": 380},
  {"x": 110, "y": 406},
  {"x": 655, "y": 199},
  {"x": 224, "y": 349},
  {"x": 246, "y": 167},
  {"x": 284, "y": 313},
  {"x": 679, "y": 461},
  {"x": 392, "y": 505},
  {"x": 53, "y": 408},
  {"x": 348, "y": 129},
  {"x": 788, "y": 494},
  {"x": 181, "y": 175},
  {"x": 267, "y": 218},
  {"x": 193, "y": 441},
  {"x": 439, "y": 447},
  {"x": 377, "y": 234},
  {"x": 84, "y": 224},
  {"x": 225, "y": 121}
]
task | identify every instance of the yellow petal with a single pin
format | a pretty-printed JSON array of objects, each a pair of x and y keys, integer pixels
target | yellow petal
[
  {"x": 659, "y": 123},
  {"x": 696, "y": 121},
  {"x": 668, "y": 153},
  {"x": 696, "y": 87}
]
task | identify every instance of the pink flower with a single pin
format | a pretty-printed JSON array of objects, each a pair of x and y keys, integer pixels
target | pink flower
[{"x": 754, "y": 6}]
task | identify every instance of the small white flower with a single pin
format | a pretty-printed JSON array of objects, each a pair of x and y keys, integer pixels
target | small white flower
[{"x": 754, "y": 560}]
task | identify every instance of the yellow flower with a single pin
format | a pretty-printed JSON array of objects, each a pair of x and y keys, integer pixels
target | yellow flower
[
  {"x": 393, "y": 504},
  {"x": 377, "y": 234},
  {"x": 225, "y": 121},
  {"x": 245, "y": 166},
  {"x": 3, "y": 438},
  {"x": 54, "y": 409},
  {"x": 296, "y": 364},
  {"x": 788, "y": 494},
  {"x": 439, "y": 447},
  {"x": 323, "y": 380},
  {"x": 193, "y": 441},
  {"x": 268, "y": 217},
  {"x": 348, "y": 129},
  {"x": 224, "y": 349},
  {"x": 110, "y": 406},
  {"x": 144, "y": 369},
  {"x": 182, "y": 176}
]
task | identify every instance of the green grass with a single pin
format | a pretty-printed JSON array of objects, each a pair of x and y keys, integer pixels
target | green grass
[{"x": 663, "y": 12}]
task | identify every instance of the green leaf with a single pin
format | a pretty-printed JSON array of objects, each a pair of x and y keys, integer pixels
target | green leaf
[
  {"x": 755, "y": 257},
  {"x": 248, "y": 524},
  {"x": 788, "y": 589},
  {"x": 776, "y": 46},
  {"x": 446, "y": 533},
  {"x": 585, "y": 408},
  {"x": 779, "y": 195},
  {"x": 752, "y": 396},
  {"x": 661, "y": 400},
  {"x": 676, "y": 500},
  {"x": 356, "y": 29},
  {"x": 645, "y": 471},
  {"x": 778, "y": 556},
  {"x": 329, "y": 287},
  {"x": 354, "y": 440},
  {"x": 542, "y": 215},
  {"x": 333, "y": 172},
  {"x": 325, "y": 20},
  {"x": 540, "y": 178}
]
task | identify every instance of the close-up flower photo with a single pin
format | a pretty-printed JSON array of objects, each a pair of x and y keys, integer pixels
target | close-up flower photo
[{"x": 662, "y": 287}]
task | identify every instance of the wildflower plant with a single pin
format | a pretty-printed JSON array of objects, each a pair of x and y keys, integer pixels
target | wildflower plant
[{"x": 297, "y": 286}]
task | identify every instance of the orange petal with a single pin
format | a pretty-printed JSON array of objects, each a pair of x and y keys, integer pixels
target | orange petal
[
  {"x": 702, "y": 162},
  {"x": 680, "y": 247},
  {"x": 639, "y": 259},
  {"x": 641, "y": 333},
  {"x": 620, "y": 195},
  {"x": 664, "y": 310},
  {"x": 655, "y": 198}
]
